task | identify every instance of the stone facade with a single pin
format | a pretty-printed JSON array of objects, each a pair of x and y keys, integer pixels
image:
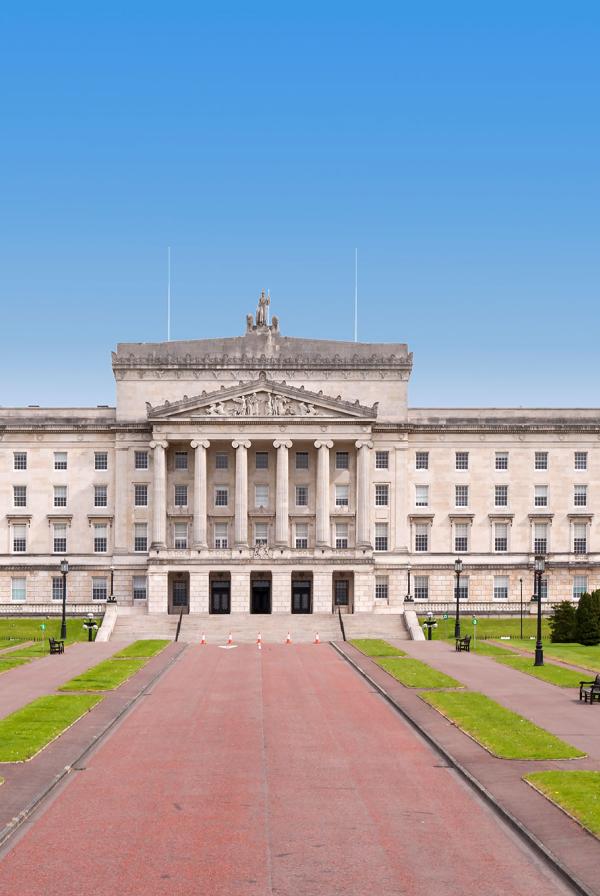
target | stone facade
[{"x": 269, "y": 473}]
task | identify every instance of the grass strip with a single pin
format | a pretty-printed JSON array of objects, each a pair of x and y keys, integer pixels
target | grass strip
[
  {"x": 576, "y": 654},
  {"x": 376, "y": 647},
  {"x": 501, "y": 731},
  {"x": 145, "y": 648},
  {"x": 577, "y": 792},
  {"x": 7, "y": 643},
  {"x": 12, "y": 663},
  {"x": 563, "y": 678},
  {"x": 106, "y": 676},
  {"x": 415, "y": 674},
  {"x": 25, "y": 732},
  {"x": 30, "y": 629},
  {"x": 487, "y": 626},
  {"x": 486, "y": 648}
]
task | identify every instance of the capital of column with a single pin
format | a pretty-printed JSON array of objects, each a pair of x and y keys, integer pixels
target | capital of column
[
  {"x": 323, "y": 444},
  {"x": 363, "y": 444},
  {"x": 202, "y": 443},
  {"x": 241, "y": 444},
  {"x": 157, "y": 444},
  {"x": 278, "y": 443}
]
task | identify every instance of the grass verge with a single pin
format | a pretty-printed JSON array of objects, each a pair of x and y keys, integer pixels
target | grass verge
[
  {"x": 144, "y": 648},
  {"x": 563, "y": 678},
  {"x": 577, "y": 792},
  {"x": 12, "y": 662},
  {"x": 415, "y": 674},
  {"x": 106, "y": 676},
  {"x": 576, "y": 654},
  {"x": 29, "y": 629},
  {"x": 487, "y": 627},
  {"x": 28, "y": 730},
  {"x": 376, "y": 647},
  {"x": 501, "y": 731}
]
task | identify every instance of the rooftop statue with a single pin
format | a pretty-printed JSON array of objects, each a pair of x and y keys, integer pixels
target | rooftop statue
[{"x": 261, "y": 310}]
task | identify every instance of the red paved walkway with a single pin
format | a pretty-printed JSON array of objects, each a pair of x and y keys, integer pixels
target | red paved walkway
[{"x": 272, "y": 772}]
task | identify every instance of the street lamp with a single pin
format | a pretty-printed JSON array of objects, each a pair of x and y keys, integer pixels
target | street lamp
[
  {"x": 64, "y": 568},
  {"x": 408, "y": 597},
  {"x": 538, "y": 572},
  {"x": 457, "y": 569}
]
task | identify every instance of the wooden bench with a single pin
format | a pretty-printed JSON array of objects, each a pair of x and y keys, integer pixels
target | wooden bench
[
  {"x": 590, "y": 690},
  {"x": 56, "y": 646},
  {"x": 464, "y": 643}
]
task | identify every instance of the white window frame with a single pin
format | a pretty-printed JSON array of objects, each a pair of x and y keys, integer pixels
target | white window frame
[
  {"x": 140, "y": 494},
  {"x": 580, "y": 495},
  {"x": 421, "y": 460},
  {"x": 22, "y": 590},
  {"x": 501, "y": 585},
  {"x": 498, "y": 490},
  {"x": 382, "y": 537},
  {"x": 180, "y": 491},
  {"x": 421, "y": 495},
  {"x": 421, "y": 588},
  {"x": 19, "y": 496},
  {"x": 541, "y": 543},
  {"x": 501, "y": 458},
  {"x": 382, "y": 588},
  {"x": 298, "y": 491},
  {"x": 137, "y": 587},
  {"x": 580, "y": 460},
  {"x": 258, "y": 490},
  {"x": 180, "y": 460},
  {"x": 461, "y": 495},
  {"x": 461, "y": 541},
  {"x": 341, "y": 536},
  {"x": 342, "y": 495},
  {"x": 100, "y": 496},
  {"x": 422, "y": 530},
  {"x": 100, "y": 540},
  {"x": 301, "y": 465},
  {"x": 19, "y": 460},
  {"x": 59, "y": 542},
  {"x": 301, "y": 536},
  {"x": 461, "y": 460},
  {"x": 540, "y": 461},
  {"x": 264, "y": 460},
  {"x": 14, "y": 538},
  {"x": 580, "y": 586},
  {"x": 57, "y": 586},
  {"x": 540, "y": 495},
  {"x": 221, "y": 535},
  {"x": 261, "y": 539},
  {"x": 221, "y": 496},
  {"x": 100, "y": 460},
  {"x": 61, "y": 460},
  {"x": 140, "y": 538},
  {"x": 580, "y": 543},
  {"x": 180, "y": 542},
  {"x": 61, "y": 495},
  {"x": 499, "y": 538},
  {"x": 382, "y": 494},
  {"x": 140, "y": 460},
  {"x": 340, "y": 463},
  {"x": 99, "y": 587},
  {"x": 221, "y": 460},
  {"x": 382, "y": 460}
]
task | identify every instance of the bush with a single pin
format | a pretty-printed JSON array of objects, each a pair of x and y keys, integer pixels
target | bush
[
  {"x": 563, "y": 623},
  {"x": 587, "y": 624}
]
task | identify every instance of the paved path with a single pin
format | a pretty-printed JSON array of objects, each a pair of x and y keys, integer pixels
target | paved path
[{"x": 247, "y": 773}]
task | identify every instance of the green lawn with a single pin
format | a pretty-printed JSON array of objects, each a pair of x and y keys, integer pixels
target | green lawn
[
  {"x": 9, "y": 662},
  {"x": 415, "y": 674},
  {"x": 14, "y": 642},
  {"x": 487, "y": 627},
  {"x": 577, "y": 654},
  {"x": 376, "y": 647},
  {"x": 578, "y": 792},
  {"x": 503, "y": 732},
  {"x": 486, "y": 648},
  {"x": 106, "y": 676},
  {"x": 564, "y": 678},
  {"x": 28, "y": 628},
  {"x": 145, "y": 648},
  {"x": 24, "y": 732}
]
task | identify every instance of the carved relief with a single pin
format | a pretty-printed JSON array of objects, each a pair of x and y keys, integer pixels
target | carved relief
[{"x": 262, "y": 404}]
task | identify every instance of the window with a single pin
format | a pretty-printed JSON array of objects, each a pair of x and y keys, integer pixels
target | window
[
  {"x": 140, "y": 588},
  {"x": 422, "y": 460},
  {"x": 221, "y": 496},
  {"x": 100, "y": 538},
  {"x": 341, "y": 593},
  {"x": 421, "y": 587},
  {"x": 502, "y": 460},
  {"x": 579, "y": 586},
  {"x": 541, "y": 460},
  {"x": 501, "y": 537},
  {"x": 262, "y": 460},
  {"x": 101, "y": 460},
  {"x": 140, "y": 537},
  {"x": 341, "y": 495},
  {"x": 221, "y": 538},
  {"x": 302, "y": 460},
  {"x": 261, "y": 534},
  {"x": 421, "y": 537},
  {"x": 381, "y": 536},
  {"x": 540, "y": 495},
  {"x": 540, "y": 538},
  {"x": 60, "y": 460},
  {"x": 140, "y": 495},
  {"x": 221, "y": 461},
  {"x": 580, "y": 495},
  {"x": 382, "y": 588},
  {"x": 580, "y": 538},
  {"x": 60, "y": 495},
  {"x": 463, "y": 587},
  {"x": 20, "y": 460},
  {"x": 100, "y": 496},
  {"x": 181, "y": 460},
  {"x": 500, "y": 587},
  {"x": 382, "y": 495},
  {"x": 18, "y": 590},
  {"x": 382, "y": 460},
  {"x": 462, "y": 460},
  {"x": 59, "y": 540},
  {"x": 544, "y": 584},
  {"x": 261, "y": 496},
  {"x": 461, "y": 495},
  {"x": 20, "y": 495},
  {"x": 501, "y": 495},
  {"x": 301, "y": 536},
  {"x": 181, "y": 496},
  {"x": 581, "y": 460},
  {"x": 180, "y": 539},
  {"x": 461, "y": 537},
  {"x": 99, "y": 588},
  {"x": 140, "y": 460},
  {"x": 341, "y": 460},
  {"x": 19, "y": 533},
  {"x": 422, "y": 495},
  {"x": 57, "y": 587},
  {"x": 341, "y": 535},
  {"x": 301, "y": 496}
]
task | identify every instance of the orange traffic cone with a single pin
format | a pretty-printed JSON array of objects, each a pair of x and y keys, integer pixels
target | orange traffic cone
[
  {"x": 288, "y": 639},
  {"x": 230, "y": 638},
  {"x": 317, "y": 638},
  {"x": 259, "y": 641},
  {"x": 203, "y": 640}
]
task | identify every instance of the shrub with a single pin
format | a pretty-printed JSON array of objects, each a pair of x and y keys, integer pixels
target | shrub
[
  {"x": 563, "y": 623},
  {"x": 587, "y": 626}
]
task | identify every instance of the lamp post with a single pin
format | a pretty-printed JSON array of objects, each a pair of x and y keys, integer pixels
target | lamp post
[
  {"x": 457, "y": 569},
  {"x": 64, "y": 568},
  {"x": 538, "y": 572},
  {"x": 521, "y": 587},
  {"x": 408, "y": 597}
]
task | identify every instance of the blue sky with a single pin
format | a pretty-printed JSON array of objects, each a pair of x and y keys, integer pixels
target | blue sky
[{"x": 456, "y": 144}]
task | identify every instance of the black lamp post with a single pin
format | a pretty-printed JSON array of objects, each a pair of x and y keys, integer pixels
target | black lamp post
[
  {"x": 538, "y": 572},
  {"x": 521, "y": 587},
  {"x": 64, "y": 568},
  {"x": 408, "y": 597},
  {"x": 457, "y": 569}
]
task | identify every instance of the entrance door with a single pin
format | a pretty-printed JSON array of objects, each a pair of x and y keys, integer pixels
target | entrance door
[
  {"x": 260, "y": 598},
  {"x": 220, "y": 597},
  {"x": 180, "y": 595},
  {"x": 301, "y": 597},
  {"x": 341, "y": 595}
]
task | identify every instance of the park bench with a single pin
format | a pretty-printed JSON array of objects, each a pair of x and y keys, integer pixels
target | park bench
[
  {"x": 590, "y": 690},
  {"x": 56, "y": 646},
  {"x": 464, "y": 643}
]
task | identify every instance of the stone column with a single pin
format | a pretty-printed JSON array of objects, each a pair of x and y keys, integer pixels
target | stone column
[
  {"x": 362, "y": 493},
  {"x": 159, "y": 496},
  {"x": 199, "y": 539},
  {"x": 282, "y": 494},
  {"x": 122, "y": 501},
  {"x": 323, "y": 522},
  {"x": 241, "y": 493}
]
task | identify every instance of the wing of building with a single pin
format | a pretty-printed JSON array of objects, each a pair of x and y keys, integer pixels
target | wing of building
[{"x": 264, "y": 473}]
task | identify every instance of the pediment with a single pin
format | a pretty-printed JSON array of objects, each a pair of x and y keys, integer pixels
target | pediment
[{"x": 262, "y": 398}]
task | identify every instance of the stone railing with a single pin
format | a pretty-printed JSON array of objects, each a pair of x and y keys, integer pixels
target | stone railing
[
  {"x": 479, "y": 608},
  {"x": 97, "y": 608}
]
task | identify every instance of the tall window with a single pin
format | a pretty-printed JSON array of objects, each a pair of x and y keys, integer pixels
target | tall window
[
  {"x": 262, "y": 460},
  {"x": 100, "y": 496},
  {"x": 140, "y": 461},
  {"x": 502, "y": 460},
  {"x": 342, "y": 460},
  {"x": 261, "y": 534},
  {"x": 99, "y": 588},
  {"x": 461, "y": 495},
  {"x": 501, "y": 495},
  {"x": 59, "y": 540},
  {"x": 382, "y": 588},
  {"x": 422, "y": 495},
  {"x": 540, "y": 495},
  {"x": 381, "y": 536},
  {"x": 580, "y": 460},
  {"x": 501, "y": 537},
  {"x": 221, "y": 536},
  {"x": 422, "y": 460},
  {"x": 60, "y": 460},
  {"x": 462, "y": 460},
  {"x": 140, "y": 588},
  {"x": 302, "y": 460},
  {"x": 100, "y": 538},
  {"x": 421, "y": 537},
  {"x": 19, "y": 533},
  {"x": 181, "y": 496},
  {"x": 140, "y": 494},
  {"x": 544, "y": 589},
  {"x": 221, "y": 496},
  {"x": 101, "y": 460},
  {"x": 221, "y": 461},
  {"x": 461, "y": 538},
  {"x": 540, "y": 538},
  {"x": 180, "y": 539},
  {"x": 463, "y": 587},
  {"x": 140, "y": 537},
  {"x": 341, "y": 535},
  {"x": 301, "y": 496},
  {"x": 541, "y": 460},
  {"x": 382, "y": 460},
  {"x": 421, "y": 587},
  {"x": 181, "y": 460},
  {"x": 500, "y": 587},
  {"x": 261, "y": 496},
  {"x": 580, "y": 586},
  {"x": 580, "y": 495},
  {"x": 382, "y": 495},
  {"x": 341, "y": 495},
  {"x": 580, "y": 538},
  {"x": 18, "y": 590},
  {"x": 301, "y": 536},
  {"x": 60, "y": 495},
  {"x": 20, "y": 460},
  {"x": 57, "y": 587},
  {"x": 20, "y": 495}
]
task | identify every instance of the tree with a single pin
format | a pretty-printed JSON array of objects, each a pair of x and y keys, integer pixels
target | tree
[
  {"x": 587, "y": 626},
  {"x": 562, "y": 622}
]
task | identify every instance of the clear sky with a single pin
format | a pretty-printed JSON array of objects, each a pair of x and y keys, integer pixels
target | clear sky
[{"x": 457, "y": 144}]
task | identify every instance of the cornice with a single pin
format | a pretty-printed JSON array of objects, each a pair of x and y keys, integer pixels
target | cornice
[{"x": 479, "y": 428}]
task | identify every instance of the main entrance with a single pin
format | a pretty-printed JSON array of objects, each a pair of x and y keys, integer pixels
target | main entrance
[
  {"x": 220, "y": 595},
  {"x": 301, "y": 596},
  {"x": 179, "y": 592},
  {"x": 260, "y": 593}
]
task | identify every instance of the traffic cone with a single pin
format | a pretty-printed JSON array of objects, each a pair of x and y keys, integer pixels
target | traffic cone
[
  {"x": 288, "y": 639},
  {"x": 203, "y": 640},
  {"x": 317, "y": 638},
  {"x": 259, "y": 641},
  {"x": 230, "y": 639}
]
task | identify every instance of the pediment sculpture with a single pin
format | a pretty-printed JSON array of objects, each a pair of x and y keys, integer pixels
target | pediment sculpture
[{"x": 262, "y": 404}]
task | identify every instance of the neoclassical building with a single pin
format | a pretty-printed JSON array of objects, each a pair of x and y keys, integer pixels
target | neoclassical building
[{"x": 265, "y": 473}]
